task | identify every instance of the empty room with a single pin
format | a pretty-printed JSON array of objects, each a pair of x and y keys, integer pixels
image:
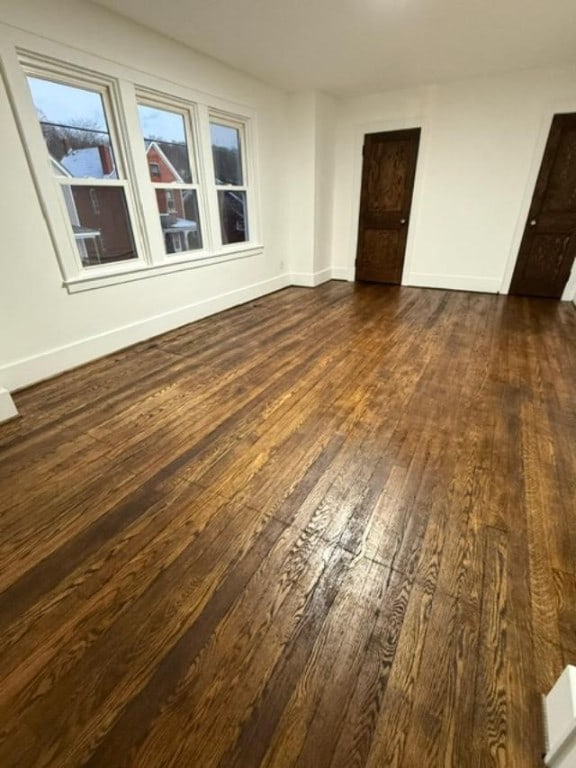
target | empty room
[{"x": 288, "y": 384}]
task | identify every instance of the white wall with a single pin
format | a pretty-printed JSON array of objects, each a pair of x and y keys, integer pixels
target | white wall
[
  {"x": 312, "y": 127},
  {"x": 302, "y": 185},
  {"x": 481, "y": 147},
  {"x": 325, "y": 136},
  {"x": 44, "y": 328}
]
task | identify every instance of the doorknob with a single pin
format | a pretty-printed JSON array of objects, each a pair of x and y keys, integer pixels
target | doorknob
[
  {"x": 532, "y": 222},
  {"x": 402, "y": 221}
]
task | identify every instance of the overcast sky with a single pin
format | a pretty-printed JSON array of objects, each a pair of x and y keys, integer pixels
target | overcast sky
[{"x": 66, "y": 105}]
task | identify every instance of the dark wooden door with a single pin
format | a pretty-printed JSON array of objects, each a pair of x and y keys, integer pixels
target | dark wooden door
[
  {"x": 549, "y": 244},
  {"x": 388, "y": 174}
]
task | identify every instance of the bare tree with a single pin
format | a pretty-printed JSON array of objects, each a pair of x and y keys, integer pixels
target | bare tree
[{"x": 62, "y": 139}]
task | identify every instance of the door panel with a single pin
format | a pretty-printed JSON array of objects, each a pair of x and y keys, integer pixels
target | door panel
[
  {"x": 561, "y": 192},
  {"x": 388, "y": 174},
  {"x": 379, "y": 255},
  {"x": 549, "y": 243}
]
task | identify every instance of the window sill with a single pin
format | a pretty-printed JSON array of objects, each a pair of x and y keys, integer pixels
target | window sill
[{"x": 100, "y": 279}]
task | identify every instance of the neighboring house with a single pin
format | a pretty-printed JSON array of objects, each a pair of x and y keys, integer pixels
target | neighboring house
[
  {"x": 97, "y": 214},
  {"x": 90, "y": 163},
  {"x": 87, "y": 239},
  {"x": 180, "y": 233}
]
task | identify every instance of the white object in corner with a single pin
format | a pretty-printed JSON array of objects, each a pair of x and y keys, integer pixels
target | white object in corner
[
  {"x": 7, "y": 407},
  {"x": 560, "y": 721}
]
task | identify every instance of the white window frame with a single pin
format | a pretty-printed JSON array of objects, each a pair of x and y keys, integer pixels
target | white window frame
[
  {"x": 232, "y": 121},
  {"x": 20, "y": 49},
  {"x": 51, "y": 185},
  {"x": 188, "y": 112}
]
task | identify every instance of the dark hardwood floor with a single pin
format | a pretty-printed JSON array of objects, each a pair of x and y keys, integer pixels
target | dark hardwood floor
[{"x": 331, "y": 527}]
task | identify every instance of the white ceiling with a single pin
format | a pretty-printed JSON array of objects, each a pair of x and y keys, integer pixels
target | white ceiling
[{"x": 349, "y": 46}]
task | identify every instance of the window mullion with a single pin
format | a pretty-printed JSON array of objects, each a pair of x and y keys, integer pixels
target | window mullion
[
  {"x": 136, "y": 159},
  {"x": 250, "y": 180},
  {"x": 207, "y": 162},
  {"x": 201, "y": 176}
]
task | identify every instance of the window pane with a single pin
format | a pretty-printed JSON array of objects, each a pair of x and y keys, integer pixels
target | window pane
[
  {"x": 166, "y": 147},
  {"x": 179, "y": 218},
  {"x": 233, "y": 218},
  {"x": 100, "y": 223},
  {"x": 75, "y": 129},
  {"x": 227, "y": 154}
]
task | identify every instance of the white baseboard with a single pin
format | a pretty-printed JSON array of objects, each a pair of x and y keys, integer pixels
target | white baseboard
[
  {"x": 7, "y": 408},
  {"x": 453, "y": 282},
  {"x": 30, "y": 370},
  {"x": 342, "y": 273},
  {"x": 311, "y": 279}
]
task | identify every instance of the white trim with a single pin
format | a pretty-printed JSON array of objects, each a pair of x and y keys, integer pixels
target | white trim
[
  {"x": 69, "y": 53},
  {"x": 342, "y": 273},
  {"x": 311, "y": 279},
  {"x": 453, "y": 282},
  {"x": 380, "y": 126},
  {"x": 120, "y": 86},
  {"x": 241, "y": 125},
  {"x": 560, "y": 720},
  {"x": 26, "y": 371},
  {"x": 178, "y": 263},
  {"x": 31, "y": 63},
  {"x": 569, "y": 293},
  {"x": 7, "y": 408}
]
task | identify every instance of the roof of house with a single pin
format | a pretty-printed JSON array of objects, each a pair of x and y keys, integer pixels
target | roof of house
[
  {"x": 152, "y": 144},
  {"x": 86, "y": 163}
]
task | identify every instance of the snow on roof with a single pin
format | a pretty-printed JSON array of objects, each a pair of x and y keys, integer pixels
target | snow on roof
[
  {"x": 86, "y": 163},
  {"x": 58, "y": 168},
  {"x": 177, "y": 225}
]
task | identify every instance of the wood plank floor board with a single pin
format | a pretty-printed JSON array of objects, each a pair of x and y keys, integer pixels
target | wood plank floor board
[
  {"x": 191, "y": 579},
  {"x": 565, "y": 604},
  {"x": 317, "y": 708},
  {"x": 330, "y": 527},
  {"x": 124, "y": 565},
  {"x": 251, "y": 648}
]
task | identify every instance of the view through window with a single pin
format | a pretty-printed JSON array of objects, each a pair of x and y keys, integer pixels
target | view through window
[
  {"x": 229, "y": 177},
  {"x": 169, "y": 163},
  {"x": 77, "y": 135},
  {"x": 132, "y": 168}
]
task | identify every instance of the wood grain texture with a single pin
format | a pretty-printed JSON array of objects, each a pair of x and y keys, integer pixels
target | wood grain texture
[
  {"x": 388, "y": 171},
  {"x": 331, "y": 527},
  {"x": 548, "y": 246}
]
